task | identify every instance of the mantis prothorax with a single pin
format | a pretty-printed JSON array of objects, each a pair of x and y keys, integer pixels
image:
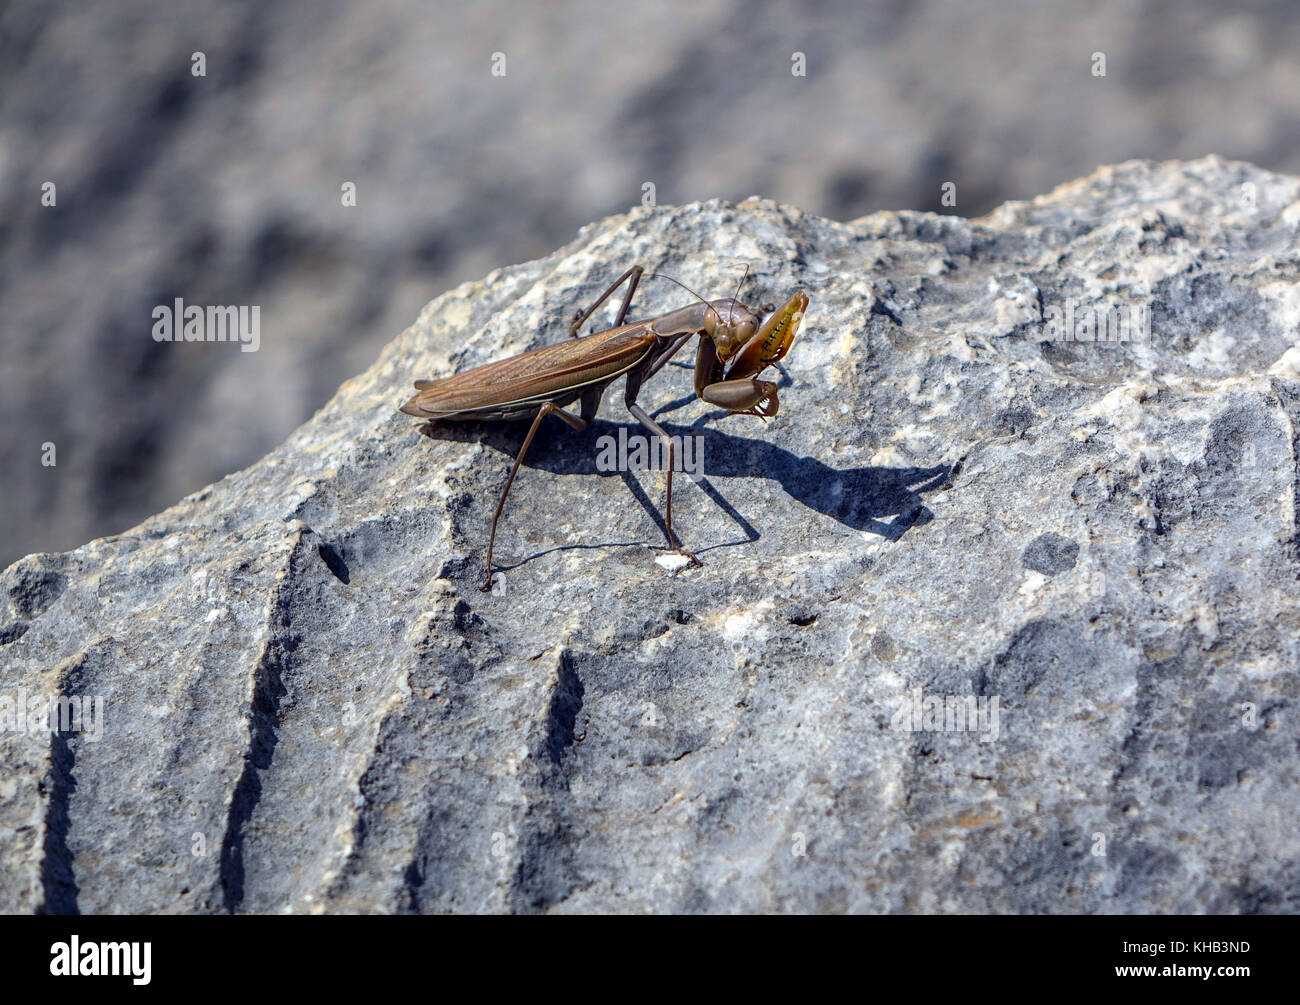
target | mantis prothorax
[{"x": 733, "y": 350}]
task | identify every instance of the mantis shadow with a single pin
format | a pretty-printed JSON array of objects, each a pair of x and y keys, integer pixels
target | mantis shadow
[{"x": 882, "y": 500}]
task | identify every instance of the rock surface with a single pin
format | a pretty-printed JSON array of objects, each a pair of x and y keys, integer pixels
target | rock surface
[{"x": 308, "y": 706}]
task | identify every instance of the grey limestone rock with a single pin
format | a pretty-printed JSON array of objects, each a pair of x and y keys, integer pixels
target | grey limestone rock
[{"x": 307, "y": 705}]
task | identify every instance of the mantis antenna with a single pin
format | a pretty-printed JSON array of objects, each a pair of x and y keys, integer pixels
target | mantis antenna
[
  {"x": 660, "y": 275},
  {"x": 734, "y": 299}
]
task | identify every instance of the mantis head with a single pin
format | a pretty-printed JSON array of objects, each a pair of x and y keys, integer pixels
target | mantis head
[
  {"x": 743, "y": 350},
  {"x": 747, "y": 349}
]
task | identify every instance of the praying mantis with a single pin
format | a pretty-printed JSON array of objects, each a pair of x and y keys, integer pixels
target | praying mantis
[{"x": 734, "y": 348}]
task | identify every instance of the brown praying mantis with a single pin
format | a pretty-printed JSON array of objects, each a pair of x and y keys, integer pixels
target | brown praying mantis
[{"x": 733, "y": 350}]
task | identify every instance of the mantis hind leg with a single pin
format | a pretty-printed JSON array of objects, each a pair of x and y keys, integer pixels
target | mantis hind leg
[
  {"x": 633, "y": 274},
  {"x": 550, "y": 408}
]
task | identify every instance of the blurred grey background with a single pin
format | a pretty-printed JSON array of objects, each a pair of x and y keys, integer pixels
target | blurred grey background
[{"x": 225, "y": 189}]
